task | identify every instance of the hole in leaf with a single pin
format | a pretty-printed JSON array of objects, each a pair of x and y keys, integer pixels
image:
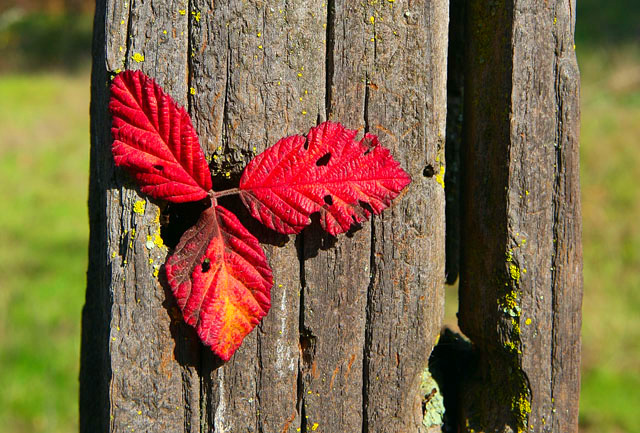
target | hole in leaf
[
  {"x": 328, "y": 199},
  {"x": 158, "y": 167},
  {"x": 206, "y": 265},
  {"x": 428, "y": 171},
  {"x": 324, "y": 159}
]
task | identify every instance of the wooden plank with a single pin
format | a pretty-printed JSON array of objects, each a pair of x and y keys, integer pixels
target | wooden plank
[
  {"x": 145, "y": 384},
  {"x": 521, "y": 282},
  {"x": 352, "y": 322},
  {"x": 257, "y": 73},
  {"x": 369, "y": 296},
  {"x": 407, "y": 108}
]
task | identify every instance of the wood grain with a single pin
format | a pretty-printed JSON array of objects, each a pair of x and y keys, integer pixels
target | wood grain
[
  {"x": 353, "y": 319},
  {"x": 521, "y": 267}
]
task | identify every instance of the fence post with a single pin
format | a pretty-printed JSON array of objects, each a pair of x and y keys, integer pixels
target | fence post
[
  {"x": 521, "y": 261},
  {"x": 353, "y": 319}
]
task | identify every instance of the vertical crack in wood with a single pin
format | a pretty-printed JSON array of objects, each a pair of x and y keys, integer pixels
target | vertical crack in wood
[
  {"x": 329, "y": 57},
  {"x": 258, "y": 378},
  {"x": 365, "y": 109},
  {"x": 225, "y": 104},
  {"x": 301, "y": 331},
  {"x": 128, "y": 38},
  {"x": 366, "y": 348},
  {"x": 189, "y": 61},
  {"x": 555, "y": 213}
]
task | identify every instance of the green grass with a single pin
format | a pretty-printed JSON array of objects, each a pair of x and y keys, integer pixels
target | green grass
[
  {"x": 610, "y": 175},
  {"x": 43, "y": 248}
]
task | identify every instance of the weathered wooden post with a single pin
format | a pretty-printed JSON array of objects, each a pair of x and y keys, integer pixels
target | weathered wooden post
[
  {"x": 521, "y": 261},
  {"x": 353, "y": 320}
]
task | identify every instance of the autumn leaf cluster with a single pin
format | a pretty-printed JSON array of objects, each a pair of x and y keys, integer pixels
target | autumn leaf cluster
[{"x": 218, "y": 272}]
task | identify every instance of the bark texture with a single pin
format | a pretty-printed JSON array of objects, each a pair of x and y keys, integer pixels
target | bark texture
[
  {"x": 521, "y": 268},
  {"x": 353, "y": 319}
]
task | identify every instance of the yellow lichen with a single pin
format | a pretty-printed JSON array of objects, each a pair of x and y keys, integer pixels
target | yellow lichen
[
  {"x": 440, "y": 176},
  {"x": 182, "y": 11},
  {"x": 314, "y": 427},
  {"x": 138, "y": 207},
  {"x": 528, "y": 321},
  {"x": 157, "y": 239},
  {"x": 138, "y": 57},
  {"x": 514, "y": 272},
  {"x": 521, "y": 406},
  {"x": 510, "y": 300},
  {"x": 192, "y": 91},
  {"x": 511, "y": 347}
]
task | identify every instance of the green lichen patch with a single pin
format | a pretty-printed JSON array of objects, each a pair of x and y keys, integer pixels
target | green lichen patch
[{"x": 432, "y": 401}]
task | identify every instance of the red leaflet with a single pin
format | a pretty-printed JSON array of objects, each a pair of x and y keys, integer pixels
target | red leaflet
[
  {"x": 155, "y": 140},
  {"x": 221, "y": 280},
  {"x": 328, "y": 172}
]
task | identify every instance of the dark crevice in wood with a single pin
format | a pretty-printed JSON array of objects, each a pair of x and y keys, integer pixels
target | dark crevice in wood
[
  {"x": 301, "y": 368},
  {"x": 428, "y": 171},
  {"x": 366, "y": 348},
  {"x": 451, "y": 364},
  {"x": 189, "y": 60},
  {"x": 258, "y": 378},
  {"x": 128, "y": 38},
  {"x": 329, "y": 57},
  {"x": 225, "y": 106},
  {"x": 95, "y": 358},
  {"x": 557, "y": 196},
  {"x": 177, "y": 218},
  {"x": 366, "y": 104},
  {"x": 187, "y": 409},
  {"x": 453, "y": 140}
]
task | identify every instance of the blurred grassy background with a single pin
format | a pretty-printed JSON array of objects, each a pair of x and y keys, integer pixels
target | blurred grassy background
[{"x": 44, "y": 147}]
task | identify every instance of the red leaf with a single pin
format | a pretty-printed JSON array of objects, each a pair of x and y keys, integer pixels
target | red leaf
[
  {"x": 328, "y": 172},
  {"x": 221, "y": 280},
  {"x": 155, "y": 140}
]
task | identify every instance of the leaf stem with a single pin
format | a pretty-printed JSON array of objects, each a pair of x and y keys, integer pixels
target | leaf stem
[{"x": 218, "y": 194}]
